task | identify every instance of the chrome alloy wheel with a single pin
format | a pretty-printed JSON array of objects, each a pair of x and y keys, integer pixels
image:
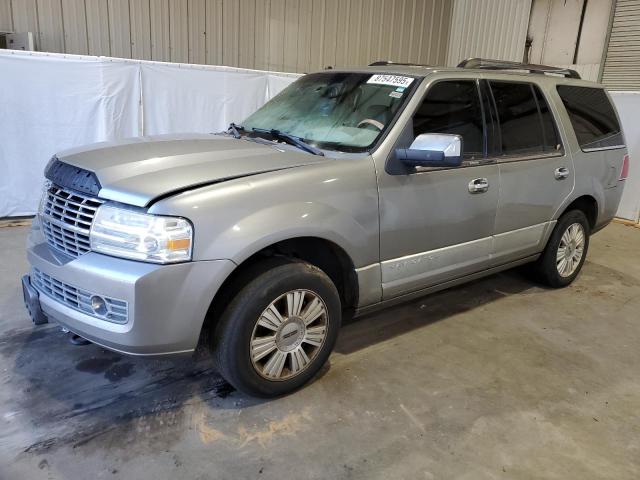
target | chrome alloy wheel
[
  {"x": 288, "y": 335},
  {"x": 570, "y": 250}
]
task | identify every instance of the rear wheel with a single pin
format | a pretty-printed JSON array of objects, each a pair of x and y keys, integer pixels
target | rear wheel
[
  {"x": 279, "y": 329},
  {"x": 566, "y": 251}
]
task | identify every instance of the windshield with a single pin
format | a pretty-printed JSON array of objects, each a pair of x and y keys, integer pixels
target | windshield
[{"x": 335, "y": 110}]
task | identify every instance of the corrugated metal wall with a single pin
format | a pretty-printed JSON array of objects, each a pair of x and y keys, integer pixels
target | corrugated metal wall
[
  {"x": 488, "y": 28},
  {"x": 553, "y": 30},
  {"x": 569, "y": 33},
  {"x": 622, "y": 59},
  {"x": 587, "y": 71},
  {"x": 283, "y": 35}
]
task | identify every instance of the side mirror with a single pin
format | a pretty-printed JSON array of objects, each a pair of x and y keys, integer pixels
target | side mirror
[{"x": 432, "y": 150}]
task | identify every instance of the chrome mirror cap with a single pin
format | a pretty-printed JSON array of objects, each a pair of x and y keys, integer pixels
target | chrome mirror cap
[{"x": 450, "y": 145}]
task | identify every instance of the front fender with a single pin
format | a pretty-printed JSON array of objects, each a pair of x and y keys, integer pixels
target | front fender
[
  {"x": 268, "y": 226},
  {"x": 335, "y": 201}
]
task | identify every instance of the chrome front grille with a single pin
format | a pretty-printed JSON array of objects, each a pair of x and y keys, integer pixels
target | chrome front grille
[
  {"x": 117, "y": 311},
  {"x": 66, "y": 219}
]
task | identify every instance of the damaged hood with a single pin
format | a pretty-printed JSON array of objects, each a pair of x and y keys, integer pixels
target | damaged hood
[{"x": 137, "y": 171}]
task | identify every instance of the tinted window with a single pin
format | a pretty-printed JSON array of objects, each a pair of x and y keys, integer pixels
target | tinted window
[
  {"x": 549, "y": 130},
  {"x": 592, "y": 116},
  {"x": 452, "y": 107},
  {"x": 491, "y": 120},
  {"x": 526, "y": 124}
]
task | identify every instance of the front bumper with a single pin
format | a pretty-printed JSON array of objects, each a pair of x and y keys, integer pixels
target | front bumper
[
  {"x": 167, "y": 304},
  {"x": 32, "y": 302}
]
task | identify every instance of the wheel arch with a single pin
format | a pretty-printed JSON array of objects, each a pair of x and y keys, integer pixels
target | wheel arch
[
  {"x": 588, "y": 205},
  {"x": 325, "y": 254}
]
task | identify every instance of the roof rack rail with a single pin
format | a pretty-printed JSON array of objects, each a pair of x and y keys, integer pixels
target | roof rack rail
[
  {"x": 488, "y": 64},
  {"x": 381, "y": 63}
]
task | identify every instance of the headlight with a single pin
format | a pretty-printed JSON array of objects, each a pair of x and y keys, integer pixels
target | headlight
[{"x": 140, "y": 236}]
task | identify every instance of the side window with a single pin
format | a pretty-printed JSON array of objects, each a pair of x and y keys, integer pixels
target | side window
[
  {"x": 453, "y": 107},
  {"x": 491, "y": 120},
  {"x": 552, "y": 140},
  {"x": 592, "y": 117},
  {"x": 526, "y": 123}
]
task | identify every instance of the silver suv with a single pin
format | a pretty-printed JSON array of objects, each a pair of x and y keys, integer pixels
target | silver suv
[{"x": 349, "y": 191}]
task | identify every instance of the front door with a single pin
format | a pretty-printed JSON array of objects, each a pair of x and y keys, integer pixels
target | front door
[{"x": 436, "y": 224}]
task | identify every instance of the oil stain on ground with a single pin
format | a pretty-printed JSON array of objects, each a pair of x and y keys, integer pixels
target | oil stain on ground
[{"x": 96, "y": 364}]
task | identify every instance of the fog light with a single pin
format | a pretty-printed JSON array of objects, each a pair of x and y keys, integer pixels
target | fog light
[{"x": 98, "y": 305}]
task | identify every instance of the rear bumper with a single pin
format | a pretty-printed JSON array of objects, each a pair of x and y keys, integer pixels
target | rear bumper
[{"x": 167, "y": 304}]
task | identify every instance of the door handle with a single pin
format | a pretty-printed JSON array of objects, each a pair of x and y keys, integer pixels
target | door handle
[
  {"x": 479, "y": 185},
  {"x": 561, "y": 173}
]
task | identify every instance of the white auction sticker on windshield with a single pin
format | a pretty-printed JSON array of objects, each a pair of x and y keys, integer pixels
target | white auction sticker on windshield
[{"x": 393, "y": 80}]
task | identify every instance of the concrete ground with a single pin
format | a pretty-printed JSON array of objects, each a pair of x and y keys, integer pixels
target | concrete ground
[{"x": 497, "y": 379}]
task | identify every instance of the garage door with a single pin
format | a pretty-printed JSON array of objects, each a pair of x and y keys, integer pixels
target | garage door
[{"x": 622, "y": 61}]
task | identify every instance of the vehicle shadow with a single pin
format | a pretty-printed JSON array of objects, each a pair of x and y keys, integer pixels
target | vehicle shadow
[
  {"x": 362, "y": 332},
  {"x": 88, "y": 396},
  {"x": 73, "y": 395}
]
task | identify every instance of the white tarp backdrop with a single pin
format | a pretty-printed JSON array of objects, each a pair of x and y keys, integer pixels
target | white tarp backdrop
[
  {"x": 50, "y": 102},
  {"x": 628, "y": 105},
  {"x": 204, "y": 100}
]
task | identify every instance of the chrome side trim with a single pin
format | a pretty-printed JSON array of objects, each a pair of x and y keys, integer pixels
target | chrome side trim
[
  {"x": 369, "y": 284},
  {"x": 442, "y": 286},
  {"x": 527, "y": 157},
  {"x": 368, "y": 267},
  {"x": 418, "y": 270},
  {"x": 522, "y": 239},
  {"x": 599, "y": 149}
]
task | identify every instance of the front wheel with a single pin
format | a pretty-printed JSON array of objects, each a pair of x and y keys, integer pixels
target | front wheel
[
  {"x": 279, "y": 329},
  {"x": 565, "y": 252}
]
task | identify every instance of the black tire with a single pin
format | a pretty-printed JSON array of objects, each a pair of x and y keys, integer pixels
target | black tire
[
  {"x": 267, "y": 282},
  {"x": 545, "y": 269}
]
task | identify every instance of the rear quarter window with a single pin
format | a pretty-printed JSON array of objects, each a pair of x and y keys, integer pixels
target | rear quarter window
[{"x": 592, "y": 116}]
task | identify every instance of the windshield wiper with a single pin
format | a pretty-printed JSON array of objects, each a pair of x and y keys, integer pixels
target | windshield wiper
[
  {"x": 290, "y": 139},
  {"x": 235, "y": 130}
]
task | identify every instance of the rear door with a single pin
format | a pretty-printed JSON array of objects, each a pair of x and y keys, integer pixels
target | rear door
[{"x": 536, "y": 172}]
